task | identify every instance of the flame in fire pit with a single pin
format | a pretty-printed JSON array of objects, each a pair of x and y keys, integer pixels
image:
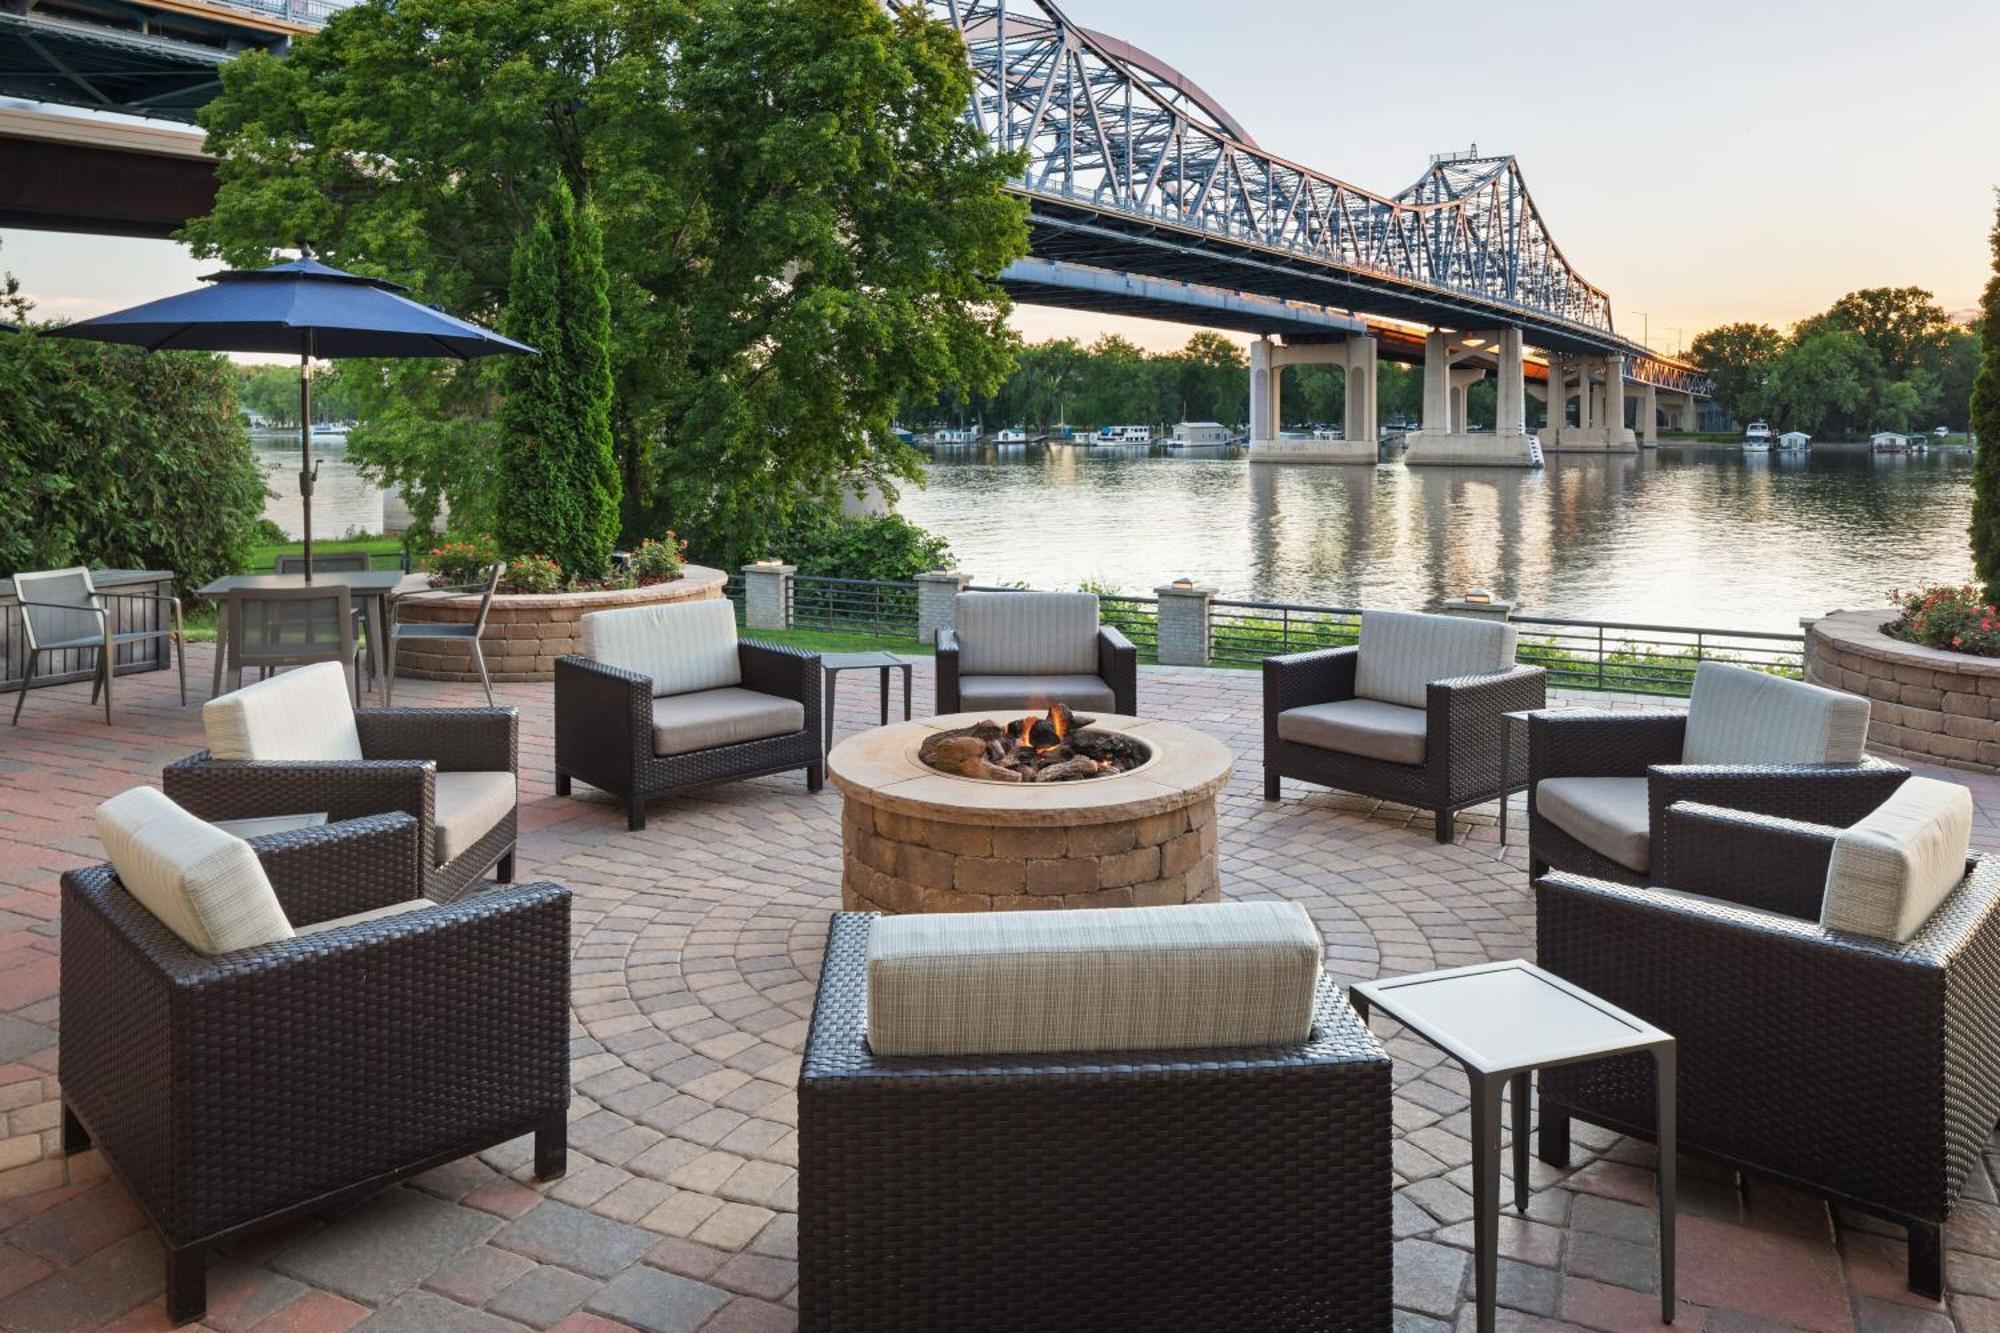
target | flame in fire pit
[{"x": 1053, "y": 747}]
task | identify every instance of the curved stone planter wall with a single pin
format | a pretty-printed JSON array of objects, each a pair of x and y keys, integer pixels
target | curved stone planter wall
[
  {"x": 527, "y": 632},
  {"x": 1924, "y": 703}
]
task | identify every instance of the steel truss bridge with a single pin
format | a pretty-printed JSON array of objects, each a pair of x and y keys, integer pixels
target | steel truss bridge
[{"x": 1132, "y": 169}]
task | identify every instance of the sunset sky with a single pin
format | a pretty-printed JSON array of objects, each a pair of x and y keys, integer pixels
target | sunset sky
[{"x": 1703, "y": 162}]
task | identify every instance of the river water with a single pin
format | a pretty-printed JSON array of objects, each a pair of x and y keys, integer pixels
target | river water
[{"x": 1682, "y": 536}]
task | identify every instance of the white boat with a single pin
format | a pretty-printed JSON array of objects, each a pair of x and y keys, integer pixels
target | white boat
[
  {"x": 1201, "y": 432},
  {"x": 1794, "y": 441},
  {"x": 1757, "y": 438},
  {"x": 330, "y": 430},
  {"x": 1889, "y": 442},
  {"x": 968, "y": 435},
  {"x": 1123, "y": 435},
  {"x": 1012, "y": 435}
]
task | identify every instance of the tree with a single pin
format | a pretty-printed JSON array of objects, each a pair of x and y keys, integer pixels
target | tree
[
  {"x": 1831, "y": 380},
  {"x": 1985, "y": 414},
  {"x": 800, "y": 227},
  {"x": 1961, "y": 366},
  {"x": 1739, "y": 358},
  {"x": 1905, "y": 326},
  {"x": 1212, "y": 379},
  {"x": 559, "y": 484}
]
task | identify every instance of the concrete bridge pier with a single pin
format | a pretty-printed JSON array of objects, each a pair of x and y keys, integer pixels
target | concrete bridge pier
[
  {"x": 1600, "y": 411},
  {"x": 1445, "y": 440},
  {"x": 1649, "y": 417},
  {"x": 1268, "y": 360}
]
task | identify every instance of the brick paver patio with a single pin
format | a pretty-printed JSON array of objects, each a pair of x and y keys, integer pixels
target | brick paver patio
[{"x": 697, "y": 946}]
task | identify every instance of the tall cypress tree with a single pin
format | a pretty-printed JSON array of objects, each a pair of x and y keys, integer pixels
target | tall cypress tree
[
  {"x": 559, "y": 485},
  {"x": 1986, "y": 425}
]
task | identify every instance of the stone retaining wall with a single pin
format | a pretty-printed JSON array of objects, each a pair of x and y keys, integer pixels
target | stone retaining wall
[
  {"x": 526, "y": 632},
  {"x": 1925, "y": 703}
]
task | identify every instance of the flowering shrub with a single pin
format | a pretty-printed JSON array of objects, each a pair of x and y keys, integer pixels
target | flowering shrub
[
  {"x": 461, "y": 561},
  {"x": 1955, "y": 619},
  {"x": 532, "y": 573},
  {"x": 658, "y": 561}
]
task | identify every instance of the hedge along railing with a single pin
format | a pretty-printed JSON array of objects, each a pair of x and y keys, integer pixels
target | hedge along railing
[{"x": 1577, "y": 654}]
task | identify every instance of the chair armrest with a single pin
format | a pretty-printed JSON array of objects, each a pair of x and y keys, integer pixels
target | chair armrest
[
  {"x": 1118, "y": 667},
  {"x": 1577, "y": 744},
  {"x": 947, "y": 671},
  {"x": 1774, "y": 865},
  {"x": 459, "y": 740},
  {"x": 1832, "y": 794},
  {"x": 339, "y": 869},
  {"x": 211, "y": 788},
  {"x": 789, "y": 673},
  {"x": 1299, "y": 679},
  {"x": 1463, "y": 721},
  {"x": 97, "y": 611},
  {"x": 604, "y": 718}
]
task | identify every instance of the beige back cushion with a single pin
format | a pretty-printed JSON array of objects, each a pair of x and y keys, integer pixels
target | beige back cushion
[
  {"x": 1404, "y": 651},
  {"x": 203, "y": 884},
  {"x": 304, "y": 713},
  {"x": 681, "y": 646},
  {"x": 1093, "y": 979},
  {"x": 1740, "y": 716},
  {"x": 1890, "y": 871},
  {"x": 1026, "y": 633}
]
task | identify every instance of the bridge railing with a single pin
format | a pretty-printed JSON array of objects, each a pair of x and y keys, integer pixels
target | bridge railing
[
  {"x": 1613, "y": 656},
  {"x": 313, "y": 13}
]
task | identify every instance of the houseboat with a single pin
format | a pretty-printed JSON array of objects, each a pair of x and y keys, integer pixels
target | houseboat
[
  {"x": 1757, "y": 438},
  {"x": 1123, "y": 435},
  {"x": 962, "y": 435},
  {"x": 1794, "y": 441},
  {"x": 1011, "y": 435},
  {"x": 1889, "y": 442},
  {"x": 1201, "y": 432}
]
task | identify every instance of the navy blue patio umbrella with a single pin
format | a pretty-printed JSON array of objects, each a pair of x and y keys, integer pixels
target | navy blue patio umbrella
[{"x": 302, "y": 306}]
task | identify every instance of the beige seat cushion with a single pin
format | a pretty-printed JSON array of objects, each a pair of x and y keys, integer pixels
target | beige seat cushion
[
  {"x": 1365, "y": 727},
  {"x": 1890, "y": 871},
  {"x": 705, "y": 719},
  {"x": 304, "y": 713},
  {"x": 1096, "y": 979},
  {"x": 1086, "y": 694},
  {"x": 1607, "y": 815},
  {"x": 203, "y": 884},
  {"x": 372, "y": 914},
  {"x": 681, "y": 646},
  {"x": 467, "y": 806},
  {"x": 1026, "y": 633},
  {"x": 1402, "y": 652},
  {"x": 1740, "y": 716}
]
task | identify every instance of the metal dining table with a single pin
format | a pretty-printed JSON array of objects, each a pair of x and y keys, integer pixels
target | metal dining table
[{"x": 370, "y": 588}]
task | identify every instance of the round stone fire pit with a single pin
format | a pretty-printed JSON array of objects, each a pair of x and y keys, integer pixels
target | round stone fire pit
[{"x": 917, "y": 840}]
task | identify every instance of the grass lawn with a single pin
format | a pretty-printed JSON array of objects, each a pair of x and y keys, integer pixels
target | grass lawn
[
  {"x": 386, "y": 551},
  {"x": 843, "y": 641}
]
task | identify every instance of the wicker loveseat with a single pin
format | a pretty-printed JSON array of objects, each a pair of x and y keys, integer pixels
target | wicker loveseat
[
  {"x": 293, "y": 744},
  {"x": 1410, "y": 714},
  {"x": 1243, "y": 1184},
  {"x": 254, "y": 1031},
  {"x": 1013, "y": 651},
  {"x": 1827, "y": 1042},
  {"x": 665, "y": 697},
  {"x": 1599, "y": 782}
]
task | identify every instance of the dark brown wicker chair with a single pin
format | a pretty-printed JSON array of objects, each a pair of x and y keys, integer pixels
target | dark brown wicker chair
[
  {"x": 605, "y": 729},
  {"x": 236, "y": 1090},
  {"x": 1246, "y": 1188},
  {"x": 1460, "y": 764},
  {"x": 403, "y": 751},
  {"x": 1096, "y": 668},
  {"x": 1863, "y": 1070}
]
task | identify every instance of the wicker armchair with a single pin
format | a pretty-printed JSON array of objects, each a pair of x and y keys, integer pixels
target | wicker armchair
[
  {"x": 1860, "y": 1068},
  {"x": 1013, "y": 651},
  {"x": 1748, "y": 741},
  {"x": 234, "y": 1090},
  {"x": 667, "y": 697},
  {"x": 1411, "y": 714},
  {"x": 1237, "y": 1188},
  {"x": 451, "y": 769}
]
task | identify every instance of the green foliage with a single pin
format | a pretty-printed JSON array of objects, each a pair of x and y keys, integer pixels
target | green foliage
[
  {"x": 1111, "y": 381},
  {"x": 559, "y": 484},
  {"x": 461, "y": 560},
  {"x": 1957, "y": 620},
  {"x": 1739, "y": 358},
  {"x": 1985, "y": 422},
  {"x": 532, "y": 573},
  {"x": 1904, "y": 326},
  {"x": 800, "y": 228},
  {"x": 1830, "y": 380},
  {"x": 887, "y": 546},
  {"x": 656, "y": 561},
  {"x": 272, "y": 392},
  {"x": 114, "y": 457}
]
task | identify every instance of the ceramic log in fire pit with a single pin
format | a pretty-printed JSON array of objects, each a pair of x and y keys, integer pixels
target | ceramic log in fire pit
[{"x": 917, "y": 839}]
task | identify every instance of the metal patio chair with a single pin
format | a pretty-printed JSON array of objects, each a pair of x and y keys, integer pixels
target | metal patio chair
[
  {"x": 289, "y": 627},
  {"x": 337, "y": 562},
  {"x": 62, "y": 611},
  {"x": 433, "y": 631}
]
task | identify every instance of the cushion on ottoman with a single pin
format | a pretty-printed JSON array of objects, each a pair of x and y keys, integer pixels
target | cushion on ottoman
[
  {"x": 1092, "y": 979},
  {"x": 1890, "y": 871}
]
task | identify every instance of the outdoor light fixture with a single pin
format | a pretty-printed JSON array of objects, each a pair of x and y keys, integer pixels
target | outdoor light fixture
[
  {"x": 1184, "y": 583},
  {"x": 1479, "y": 596},
  {"x": 769, "y": 563}
]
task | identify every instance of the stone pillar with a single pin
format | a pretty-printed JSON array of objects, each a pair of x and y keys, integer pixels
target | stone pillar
[
  {"x": 937, "y": 594},
  {"x": 1511, "y": 415},
  {"x": 1261, "y": 426},
  {"x": 767, "y": 595},
  {"x": 1586, "y": 394},
  {"x": 1437, "y": 384},
  {"x": 1359, "y": 421},
  {"x": 1184, "y": 638},
  {"x": 1691, "y": 418},
  {"x": 1649, "y": 417}
]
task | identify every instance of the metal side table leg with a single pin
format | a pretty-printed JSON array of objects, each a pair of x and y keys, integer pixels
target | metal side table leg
[
  {"x": 882, "y": 687},
  {"x": 1487, "y": 1090},
  {"x": 832, "y": 688},
  {"x": 1520, "y": 1088},
  {"x": 1664, "y": 1067}
]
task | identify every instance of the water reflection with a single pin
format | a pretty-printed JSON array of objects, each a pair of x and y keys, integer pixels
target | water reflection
[{"x": 1674, "y": 535}]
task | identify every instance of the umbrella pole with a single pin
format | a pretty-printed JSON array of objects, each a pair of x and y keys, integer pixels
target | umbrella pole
[{"x": 305, "y": 452}]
